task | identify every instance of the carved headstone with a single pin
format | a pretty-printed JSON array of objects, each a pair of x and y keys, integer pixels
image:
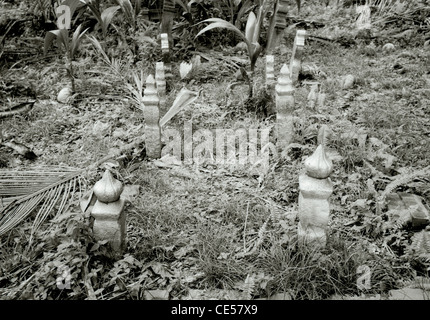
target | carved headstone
[
  {"x": 296, "y": 56},
  {"x": 108, "y": 212},
  {"x": 166, "y": 55},
  {"x": 270, "y": 72},
  {"x": 160, "y": 80},
  {"x": 284, "y": 91},
  {"x": 315, "y": 188},
  {"x": 152, "y": 119}
]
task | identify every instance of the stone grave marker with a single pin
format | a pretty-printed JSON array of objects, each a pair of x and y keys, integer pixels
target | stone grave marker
[
  {"x": 160, "y": 81},
  {"x": 165, "y": 53},
  {"x": 315, "y": 188},
  {"x": 152, "y": 119},
  {"x": 284, "y": 92},
  {"x": 296, "y": 56}
]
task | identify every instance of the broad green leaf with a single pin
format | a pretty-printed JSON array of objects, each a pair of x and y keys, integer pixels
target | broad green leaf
[
  {"x": 62, "y": 37},
  {"x": 250, "y": 26},
  {"x": 219, "y": 23},
  {"x": 127, "y": 10},
  {"x": 76, "y": 39},
  {"x": 107, "y": 16},
  {"x": 260, "y": 16},
  {"x": 184, "y": 98}
]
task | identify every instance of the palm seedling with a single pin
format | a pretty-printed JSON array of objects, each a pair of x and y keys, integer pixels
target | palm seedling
[
  {"x": 70, "y": 46},
  {"x": 250, "y": 37}
]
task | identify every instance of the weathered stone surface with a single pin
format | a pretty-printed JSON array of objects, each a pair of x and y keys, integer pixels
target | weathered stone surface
[
  {"x": 314, "y": 210},
  {"x": 160, "y": 80},
  {"x": 296, "y": 56},
  {"x": 284, "y": 108},
  {"x": 152, "y": 120},
  {"x": 165, "y": 52},
  {"x": 109, "y": 223},
  {"x": 318, "y": 165},
  {"x": 406, "y": 207},
  {"x": 270, "y": 71}
]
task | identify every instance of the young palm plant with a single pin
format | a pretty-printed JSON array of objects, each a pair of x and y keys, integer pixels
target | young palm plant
[
  {"x": 250, "y": 37},
  {"x": 71, "y": 47}
]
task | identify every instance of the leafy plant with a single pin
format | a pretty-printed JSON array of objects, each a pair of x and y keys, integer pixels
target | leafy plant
[
  {"x": 71, "y": 46},
  {"x": 250, "y": 37},
  {"x": 130, "y": 13},
  {"x": 104, "y": 18}
]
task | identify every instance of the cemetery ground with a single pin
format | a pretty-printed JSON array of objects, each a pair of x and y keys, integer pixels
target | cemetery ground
[{"x": 208, "y": 231}]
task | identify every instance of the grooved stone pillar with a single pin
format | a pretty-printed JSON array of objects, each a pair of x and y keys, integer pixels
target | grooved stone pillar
[
  {"x": 284, "y": 91},
  {"x": 152, "y": 119},
  {"x": 315, "y": 188},
  {"x": 165, "y": 53},
  {"x": 270, "y": 72},
  {"x": 109, "y": 223},
  {"x": 160, "y": 80}
]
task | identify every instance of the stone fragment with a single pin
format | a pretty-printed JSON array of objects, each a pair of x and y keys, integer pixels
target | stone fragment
[
  {"x": 406, "y": 207},
  {"x": 348, "y": 81},
  {"x": 64, "y": 95},
  {"x": 388, "y": 47}
]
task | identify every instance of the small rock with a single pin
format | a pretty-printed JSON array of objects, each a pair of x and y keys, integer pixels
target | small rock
[
  {"x": 348, "y": 81},
  {"x": 64, "y": 95},
  {"x": 427, "y": 44},
  {"x": 388, "y": 47}
]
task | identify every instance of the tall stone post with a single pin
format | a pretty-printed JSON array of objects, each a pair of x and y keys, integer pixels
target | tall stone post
[
  {"x": 108, "y": 212},
  {"x": 284, "y": 91},
  {"x": 278, "y": 23},
  {"x": 167, "y": 19},
  {"x": 160, "y": 80},
  {"x": 152, "y": 119},
  {"x": 315, "y": 188},
  {"x": 296, "y": 56},
  {"x": 270, "y": 72},
  {"x": 165, "y": 53}
]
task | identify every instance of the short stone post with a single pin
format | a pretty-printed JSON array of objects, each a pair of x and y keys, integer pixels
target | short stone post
[
  {"x": 296, "y": 56},
  {"x": 160, "y": 80},
  {"x": 108, "y": 212},
  {"x": 315, "y": 187},
  {"x": 166, "y": 55},
  {"x": 152, "y": 119},
  {"x": 313, "y": 96},
  {"x": 284, "y": 91}
]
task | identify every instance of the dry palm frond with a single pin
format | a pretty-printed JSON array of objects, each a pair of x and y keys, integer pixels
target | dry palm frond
[
  {"x": 46, "y": 188},
  {"x": 21, "y": 192}
]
